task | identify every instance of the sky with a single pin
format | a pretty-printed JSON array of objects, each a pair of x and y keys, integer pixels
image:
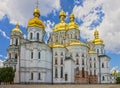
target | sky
[{"x": 103, "y": 15}]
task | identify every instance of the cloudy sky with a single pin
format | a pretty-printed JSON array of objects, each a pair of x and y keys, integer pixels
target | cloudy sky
[{"x": 90, "y": 14}]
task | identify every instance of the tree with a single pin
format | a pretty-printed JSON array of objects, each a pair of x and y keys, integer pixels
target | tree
[
  {"x": 118, "y": 80},
  {"x": 7, "y": 74}
]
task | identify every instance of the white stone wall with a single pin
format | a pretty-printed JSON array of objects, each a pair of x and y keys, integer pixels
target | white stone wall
[{"x": 35, "y": 65}]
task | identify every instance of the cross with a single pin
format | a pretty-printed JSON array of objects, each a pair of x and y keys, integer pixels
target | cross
[{"x": 37, "y": 3}]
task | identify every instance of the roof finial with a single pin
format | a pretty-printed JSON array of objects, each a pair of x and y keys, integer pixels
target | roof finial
[{"x": 37, "y": 3}]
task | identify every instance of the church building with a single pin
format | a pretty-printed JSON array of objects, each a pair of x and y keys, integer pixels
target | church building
[{"x": 64, "y": 59}]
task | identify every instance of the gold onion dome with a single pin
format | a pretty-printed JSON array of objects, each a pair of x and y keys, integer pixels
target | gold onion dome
[
  {"x": 16, "y": 29},
  {"x": 72, "y": 24},
  {"x": 36, "y": 21},
  {"x": 62, "y": 25},
  {"x": 97, "y": 40}
]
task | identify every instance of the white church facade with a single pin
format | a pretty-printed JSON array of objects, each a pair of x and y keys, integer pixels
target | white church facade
[{"x": 64, "y": 59}]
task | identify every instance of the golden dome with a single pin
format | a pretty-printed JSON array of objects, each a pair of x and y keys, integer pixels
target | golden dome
[
  {"x": 62, "y": 13},
  {"x": 36, "y": 21},
  {"x": 72, "y": 24},
  {"x": 62, "y": 25},
  {"x": 16, "y": 29},
  {"x": 97, "y": 40}
]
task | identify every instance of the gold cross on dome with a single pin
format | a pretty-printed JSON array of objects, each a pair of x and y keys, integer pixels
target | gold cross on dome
[{"x": 37, "y": 3}]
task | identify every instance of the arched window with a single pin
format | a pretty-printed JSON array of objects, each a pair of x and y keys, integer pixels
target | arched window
[
  {"x": 16, "y": 56},
  {"x": 94, "y": 65},
  {"x": 37, "y": 36},
  {"x": 16, "y": 43},
  {"x": 103, "y": 78},
  {"x": 90, "y": 65},
  {"x": 9, "y": 55},
  {"x": 31, "y": 35},
  {"x": 77, "y": 70},
  {"x": 77, "y": 61},
  {"x": 82, "y": 61},
  {"x": 39, "y": 76},
  {"x": 39, "y": 55},
  {"x": 61, "y": 75},
  {"x": 97, "y": 51},
  {"x": 55, "y": 61},
  {"x": 61, "y": 61},
  {"x": 61, "y": 53},
  {"x": 56, "y": 73},
  {"x": 102, "y": 65},
  {"x": 94, "y": 72},
  {"x": 55, "y": 53}
]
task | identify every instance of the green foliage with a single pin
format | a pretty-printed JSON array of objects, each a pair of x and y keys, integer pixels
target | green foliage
[
  {"x": 118, "y": 80},
  {"x": 6, "y": 74}
]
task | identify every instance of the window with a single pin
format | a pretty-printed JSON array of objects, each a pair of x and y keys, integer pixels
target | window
[
  {"x": 94, "y": 72},
  {"x": 70, "y": 54},
  {"x": 61, "y": 53},
  {"x": 82, "y": 55},
  {"x": 83, "y": 75},
  {"x": 61, "y": 61},
  {"x": 31, "y": 55},
  {"x": 31, "y": 76},
  {"x": 38, "y": 55},
  {"x": 90, "y": 72},
  {"x": 37, "y": 36},
  {"x": 31, "y": 35},
  {"x": 94, "y": 59},
  {"x": 56, "y": 73},
  {"x": 9, "y": 55},
  {"x": 77, "y": 70},
  {"x": 103, "y": 78},
  {"x": 77, "y": 61},
  {"x": 82, "y": 61},
  {"x": 55, "y": 61},
  {"x": 66, "y": 77},
  {"x": 55, "y": 53},
  {"x": 102, "y": 65},
  {"x": 90, "y": 60},
  {"x": 16, "y": 43},
  {"x": 94, "y": 65},
  {"x": 61, "y": 75},
  {"x": 15, "y": 56},
  {"x": 97, "y": 51},
  {"x": 90, "y": 65},
  {"x": 39, "y": 76},
  {"x": 77, "y": 55}
]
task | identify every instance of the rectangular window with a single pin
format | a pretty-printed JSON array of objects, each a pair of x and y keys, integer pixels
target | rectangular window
[
  {"x": 31, "y": 55},
  {"x": 61, "y": 72},
  {"x": 38, "y": 55},
  {"x": 56, "y": 73},
  {"x": 61, "y": 61},
  {"x": 66, "y": 78},
  {"x": 31, "y": 76},
  {"x": 39, "y": 76},
  {"x": 56, "y": 61},
  {"x": 83, "y": 75}
]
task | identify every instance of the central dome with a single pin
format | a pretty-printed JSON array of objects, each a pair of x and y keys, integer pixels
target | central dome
[{"x": 36, "y": 21}]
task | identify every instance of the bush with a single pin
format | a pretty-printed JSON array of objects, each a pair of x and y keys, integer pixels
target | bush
[{"x": 118, "y": 80}]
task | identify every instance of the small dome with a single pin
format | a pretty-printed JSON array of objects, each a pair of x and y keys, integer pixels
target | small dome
[
  {"x": 97, "y": 40},
  {"x": 72, "y": 24},
  {"x": 16, "y": 29},
  {"x": 62, "y": 13},
  {"x": 72, "y": 15},
  {"x": 36, "y": 11},
  {"x": 36, "y": 21}
]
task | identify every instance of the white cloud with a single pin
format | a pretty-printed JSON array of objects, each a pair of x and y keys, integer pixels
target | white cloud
[
  {"x": 2, "y": 57},
  {"x": 4, "y": 34},
  {"x": 113, "y": 69},
  {"x": 49, "y": 26},
  {"x": 109, "y": 29},
  {"x": 21, "y": 10}
]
